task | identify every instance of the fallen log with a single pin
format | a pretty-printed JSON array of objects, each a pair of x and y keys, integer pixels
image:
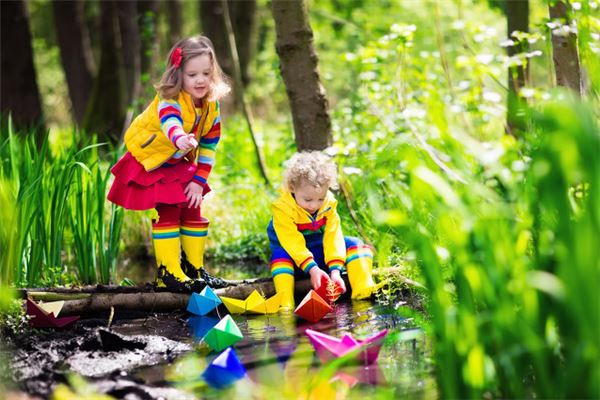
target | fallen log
[{"x": 88, "y": 300}]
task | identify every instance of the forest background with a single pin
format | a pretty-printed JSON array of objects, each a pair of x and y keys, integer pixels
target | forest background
[{"x": 459, "y": 159}]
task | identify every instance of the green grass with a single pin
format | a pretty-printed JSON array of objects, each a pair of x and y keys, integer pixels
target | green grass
[{"x": 56, "y": 202}]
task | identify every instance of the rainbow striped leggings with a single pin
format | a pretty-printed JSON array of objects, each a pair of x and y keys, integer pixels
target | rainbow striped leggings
[{"x": 282, "y": 263}]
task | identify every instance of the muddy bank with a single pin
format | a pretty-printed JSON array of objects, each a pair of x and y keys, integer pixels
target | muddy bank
[{"x": 39, "y": 360}]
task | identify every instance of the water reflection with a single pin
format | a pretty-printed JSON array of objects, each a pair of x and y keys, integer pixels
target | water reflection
[
  {"x": 281, "y": 363},
  {"x": 200, "y": 325}
]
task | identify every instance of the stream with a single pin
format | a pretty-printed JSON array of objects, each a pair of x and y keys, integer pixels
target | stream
[{"x": 162, "y": 356}]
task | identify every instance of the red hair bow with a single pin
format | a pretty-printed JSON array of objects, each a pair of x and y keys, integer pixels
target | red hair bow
[{"x": 176, "y": 57}]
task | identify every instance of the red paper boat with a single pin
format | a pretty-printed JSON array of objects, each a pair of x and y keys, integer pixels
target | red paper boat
[
  {"x": 313, "y": 307},
  {"x": 44, "y": 315},
  {"x": 329, "y": 290},
  {"x": 330, "y": 347}
]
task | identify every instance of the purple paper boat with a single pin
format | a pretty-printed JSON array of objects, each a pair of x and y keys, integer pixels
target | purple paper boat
[{"x": 330, "y": 347}]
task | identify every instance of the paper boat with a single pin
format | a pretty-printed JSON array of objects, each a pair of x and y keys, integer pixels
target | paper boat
[
  {"x": 203, "y": 303},
  {"x": 313, "y": 307},
  {"x": 201, "y": 325},
  {"x": 45, "y": 315},
  {"x": 255, "y": 303},
  {"x": 329, "y": 290},
  {"x": 330, "y": 347},
  {"x": 223, "y": 334},
  {"x": 224, "y": 370}
]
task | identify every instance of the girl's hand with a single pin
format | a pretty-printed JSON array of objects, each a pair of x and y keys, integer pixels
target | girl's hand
[
  {"x": 337, "y": 278},
  {"x": 186, "y": 142},
  {"x": 316, "y": 274},
  {"x": 194, "y": 191}
]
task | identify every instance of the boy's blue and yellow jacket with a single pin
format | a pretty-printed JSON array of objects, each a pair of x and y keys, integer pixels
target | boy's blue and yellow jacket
[{"x": 291, "y": 226}]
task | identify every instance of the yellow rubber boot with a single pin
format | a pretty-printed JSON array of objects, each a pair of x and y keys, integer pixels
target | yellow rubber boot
[
  {"x": 167, "y": 252},
  {"x": 359, "y": 274},
  {"x": 284, "y": 283},
  {"x": 193, "y": 242}
]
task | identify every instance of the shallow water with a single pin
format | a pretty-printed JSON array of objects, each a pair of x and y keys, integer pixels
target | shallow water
[
  {"x": 281, "y": 363},
  {"x": 279, "y": 359}
]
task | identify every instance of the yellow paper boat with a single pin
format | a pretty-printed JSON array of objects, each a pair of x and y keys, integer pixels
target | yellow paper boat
[
  {"x": 52, "y": 307},
  {"x": 255, "y": 303}
]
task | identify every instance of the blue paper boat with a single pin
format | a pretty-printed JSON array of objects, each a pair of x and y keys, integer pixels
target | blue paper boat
[
  {"x": 224, "y": 370},
  {"x": 200, "y": 325},
  {"x": 203, "y": 303}
]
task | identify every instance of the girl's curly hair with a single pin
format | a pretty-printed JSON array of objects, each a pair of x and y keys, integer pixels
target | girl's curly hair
[
  {"x": 171, "y": 82},
  {"x": 310, "y": 167}
]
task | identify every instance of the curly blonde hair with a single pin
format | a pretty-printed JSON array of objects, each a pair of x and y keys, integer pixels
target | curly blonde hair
[
  {"x": 171, "y": 82},
  {"x": 310, "y": 167}
]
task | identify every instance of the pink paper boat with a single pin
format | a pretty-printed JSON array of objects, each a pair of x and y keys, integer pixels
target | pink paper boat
[{"x": 330, "y": 347}]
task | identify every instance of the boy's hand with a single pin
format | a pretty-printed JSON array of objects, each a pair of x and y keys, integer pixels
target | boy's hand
[
  {"x": 316, "y": 274},
  {"x": 186, "y": 142},
  {"x": 337, "y": 278},
  {"x": 194, "y": 192}
]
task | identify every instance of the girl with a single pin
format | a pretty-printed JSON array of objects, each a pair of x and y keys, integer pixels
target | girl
[
  {"x": 305, "y": 233},
  {"x": 171, "y": 151}
]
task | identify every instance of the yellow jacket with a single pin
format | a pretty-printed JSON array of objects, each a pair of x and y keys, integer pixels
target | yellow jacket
[
  {"x": 291, "y": 223},
  {"x": 150, "y": 146}
]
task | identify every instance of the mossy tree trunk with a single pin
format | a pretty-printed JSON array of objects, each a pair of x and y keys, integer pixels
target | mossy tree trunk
[{"x": 299, "y": 69}]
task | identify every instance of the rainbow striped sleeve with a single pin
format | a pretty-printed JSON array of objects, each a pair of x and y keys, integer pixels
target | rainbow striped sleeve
[
  {"x": 308, "y": 264},
  {"x": 171, "y": 122},
  {"x": 206, "y": 151}
]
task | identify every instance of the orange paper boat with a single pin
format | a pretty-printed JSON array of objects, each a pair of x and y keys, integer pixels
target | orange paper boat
[
  {"x": 329, "y": 290},
  {"x": 313, "y": 307},
  {"x": 44, "y": 315},
  {"x": 255, "y": 303}
]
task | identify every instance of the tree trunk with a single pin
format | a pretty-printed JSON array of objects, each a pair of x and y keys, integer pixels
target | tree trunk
[
  {"x": 517, "y": 19},
  {"x": 243, "y": 17},
  {"x": 148, "y": 28},
  {"x": 19, "y": 94},
  {"x": 105, "y": 111},
  {"x": 564, "y": 47},
  {"x": 95, "y": 299},
  {"x": 174, "y": 11},
  {"x": 211, "y": 20},
  {"x": 299, "y": 69},
  {"x": 75, "y": 52},
  {"x": 131, "y": 45},
  {"x": 239, "y": 92}
]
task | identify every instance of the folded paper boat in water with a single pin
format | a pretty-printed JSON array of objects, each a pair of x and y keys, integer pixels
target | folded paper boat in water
[{"x": 330, "y": 347}]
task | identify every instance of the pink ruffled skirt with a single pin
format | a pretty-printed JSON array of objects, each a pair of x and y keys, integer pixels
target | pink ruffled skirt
[{"x": 135, "y": 188}]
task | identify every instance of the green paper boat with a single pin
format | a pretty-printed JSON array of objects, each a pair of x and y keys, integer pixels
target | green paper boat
[{"x": 223, "y": 334}]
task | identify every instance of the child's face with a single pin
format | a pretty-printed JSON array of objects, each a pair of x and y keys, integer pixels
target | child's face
[
  {"x": 310, "y": 198},
  {"x": 197, "y": 76}
]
